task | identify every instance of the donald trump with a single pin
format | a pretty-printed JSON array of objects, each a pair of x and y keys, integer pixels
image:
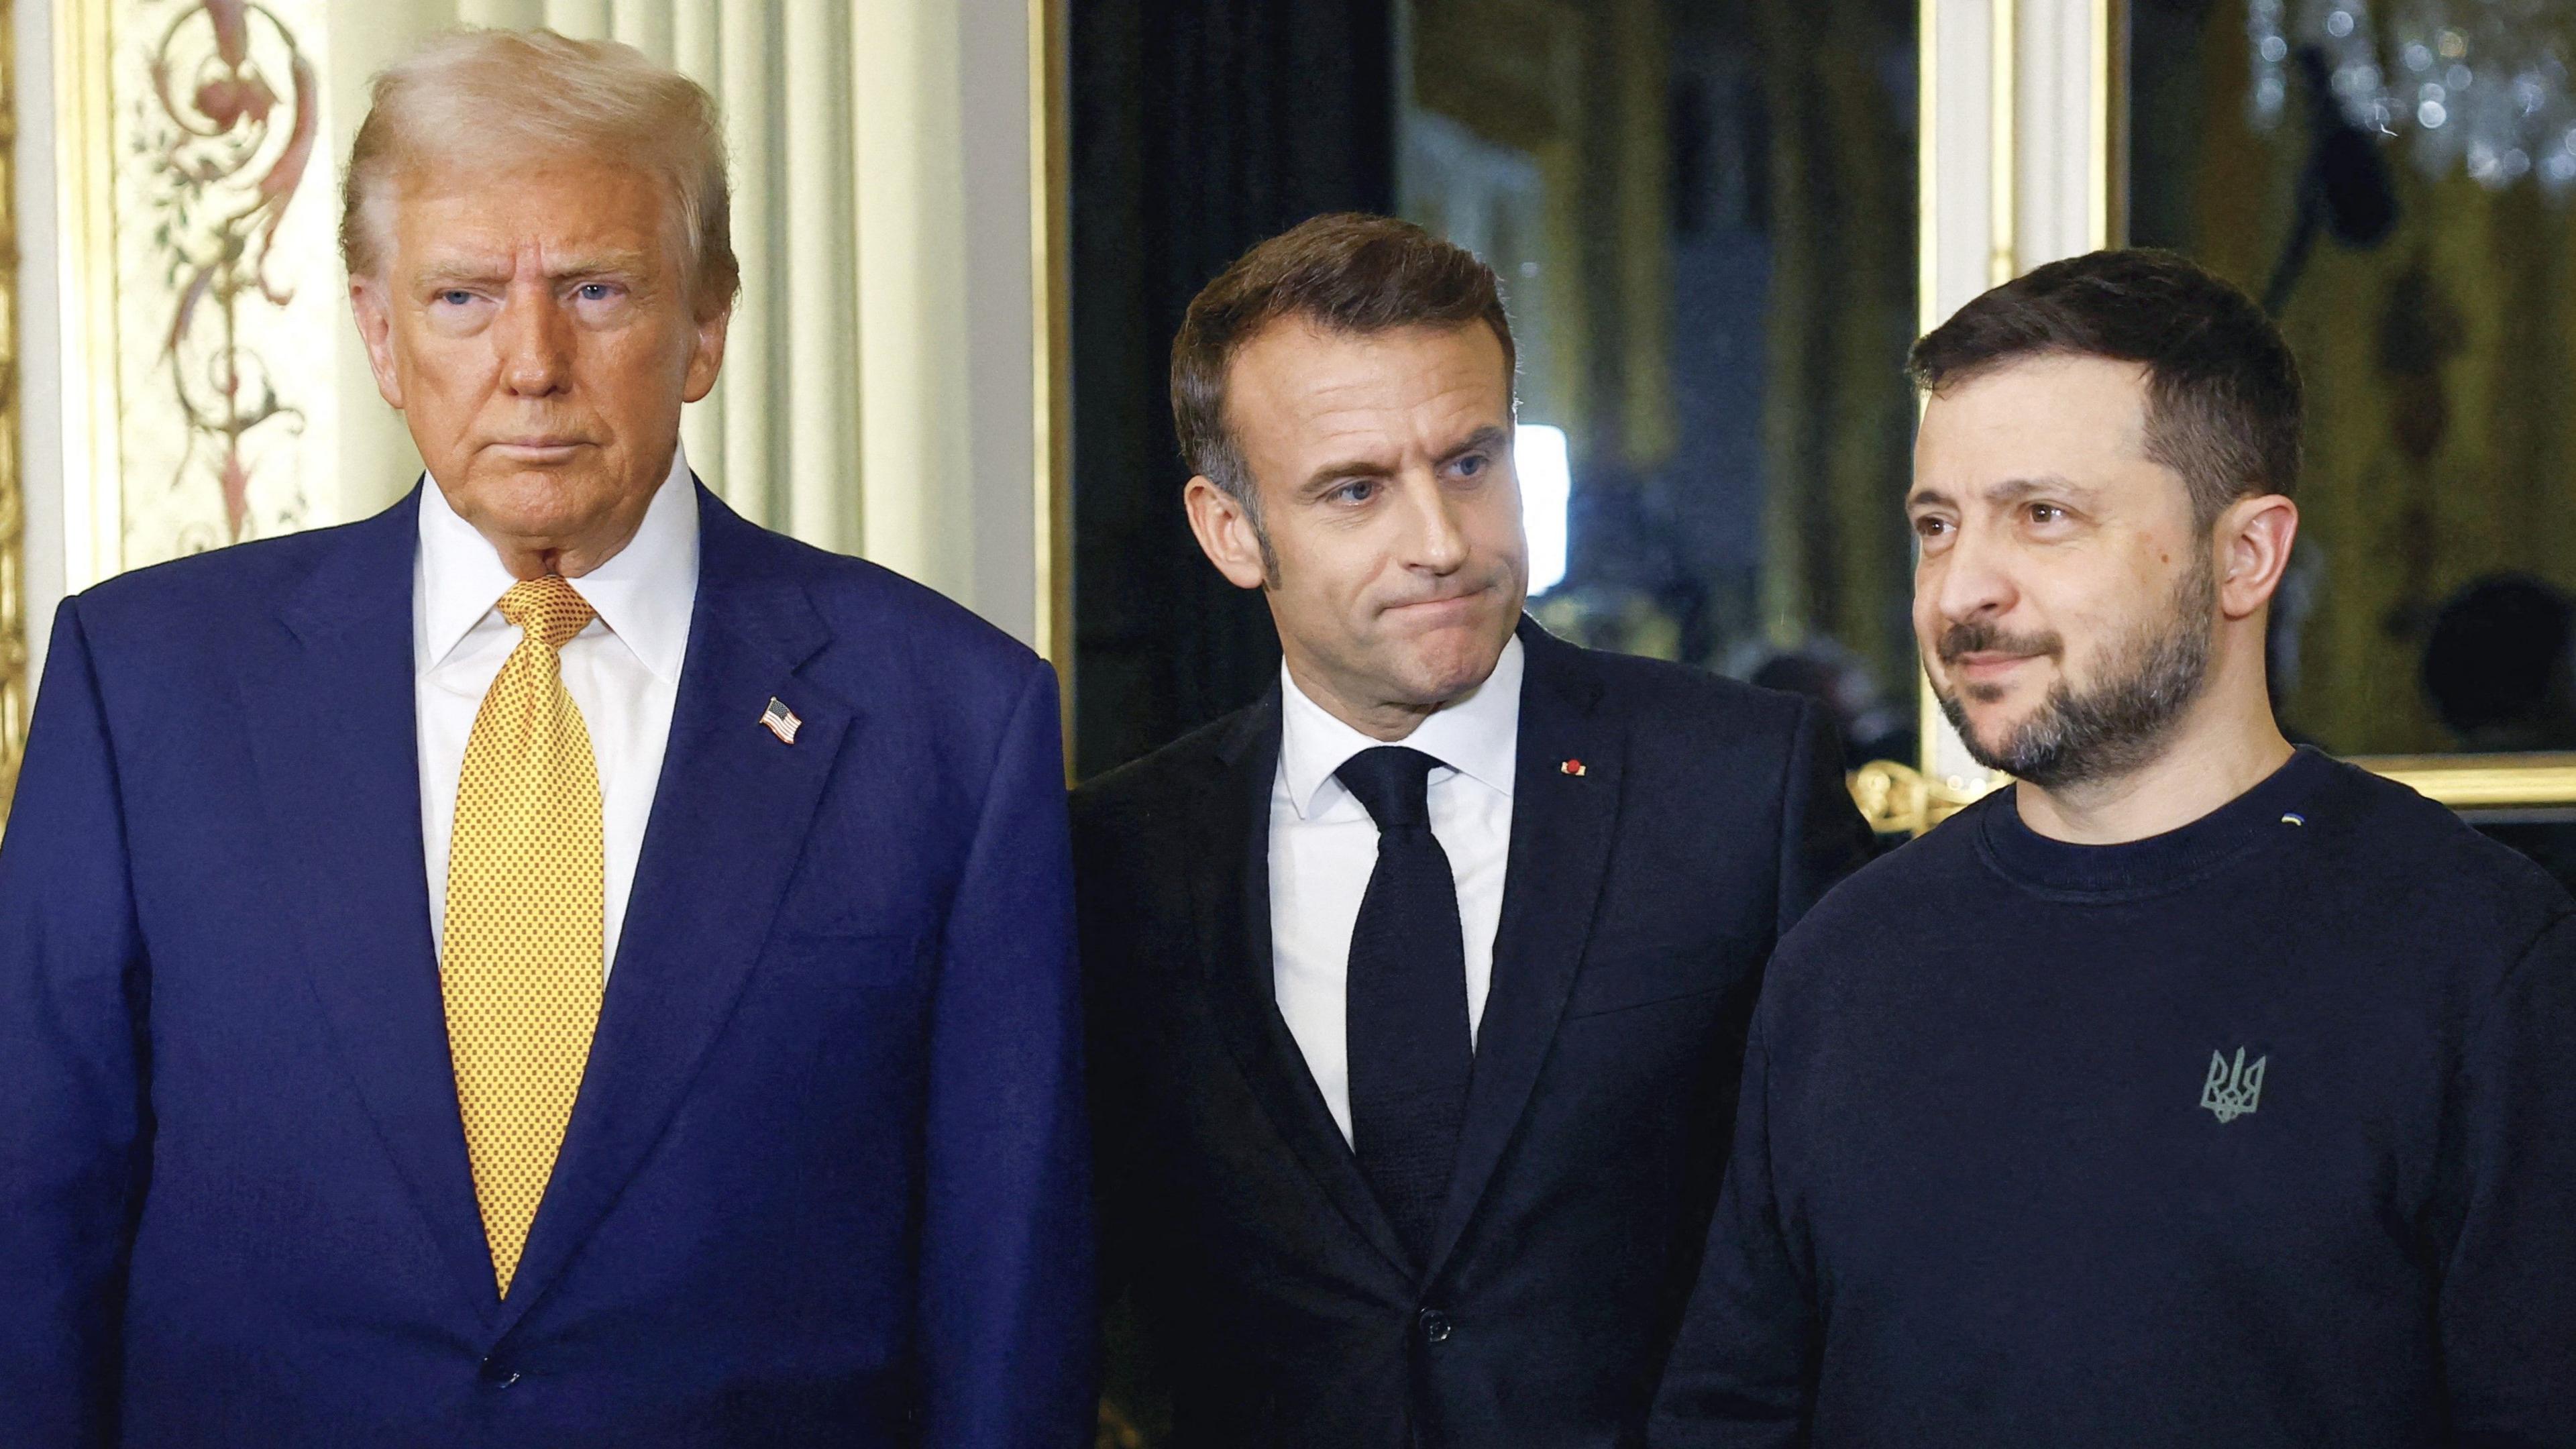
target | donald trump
[{"x": 553, "y": 963}]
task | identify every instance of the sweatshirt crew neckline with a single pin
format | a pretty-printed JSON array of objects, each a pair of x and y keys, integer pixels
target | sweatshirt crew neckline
[{"x": 2156, "y": 863}]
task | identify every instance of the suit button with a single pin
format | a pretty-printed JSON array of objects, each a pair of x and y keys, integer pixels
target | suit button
[
  {"x": 498, "y": 1374},
  {"x": 1436, "y": 1326}
]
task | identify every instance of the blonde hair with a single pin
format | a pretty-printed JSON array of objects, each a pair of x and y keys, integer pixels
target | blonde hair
[{"x": 510, "y": 96}]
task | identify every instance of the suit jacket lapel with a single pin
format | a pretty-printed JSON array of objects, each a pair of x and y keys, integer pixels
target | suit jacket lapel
[
  {"x": 334, "y": 739},
  {"x": 1230, "y": 889},
  {"x": 1562, "y": 826},
  {"x": 729, "y": 821}
]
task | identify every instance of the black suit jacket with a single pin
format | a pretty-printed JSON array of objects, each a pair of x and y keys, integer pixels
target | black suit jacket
[{"x": 1642, "y": 896}]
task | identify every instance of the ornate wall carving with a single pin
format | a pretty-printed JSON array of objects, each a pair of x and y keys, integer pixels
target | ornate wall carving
[{"x": 228, "y": 307}]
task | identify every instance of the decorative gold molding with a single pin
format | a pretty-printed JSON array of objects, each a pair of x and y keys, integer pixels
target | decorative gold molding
[
  {"x": 1927, "y": 175},
  {"x": 2003, "y": 188},
  {"x": 1051, "y": 365},
  {"x": 2483, "y": 782},
  {"x": 1899, "y": 800},
  {"x": 14, "y": 684},
  {"x": 84, "y": 120},
  {"x": 1927, "y": 279},
  {"x": 2106, "y": 211}
]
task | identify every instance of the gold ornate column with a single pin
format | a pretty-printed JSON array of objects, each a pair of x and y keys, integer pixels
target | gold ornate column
[
  {"x": 2020, "y": 139},
  {"x": 15, "y": 687}
]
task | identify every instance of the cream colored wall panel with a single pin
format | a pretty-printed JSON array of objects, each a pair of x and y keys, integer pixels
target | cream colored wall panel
[
  {"x": 1963, "y": 251},
  {"x": 823, "y": 395},
  {"x": 499, "y": 14},
  {"x": 223, "y": 251},
  {"x": 647, "y": 25},
  {"x": 913, "y": 293},
  {"x": 695, "y": 27},
  {"x": 2061, "y": 211},
  {"x": 994, "y": 142},
  {"x": 747, "y": 466},
  {"x": 582, "y": 17},
  {"x": 947, "y": 337}
]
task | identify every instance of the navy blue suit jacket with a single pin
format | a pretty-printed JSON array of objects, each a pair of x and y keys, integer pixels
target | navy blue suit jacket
[{"x": 825, "y": 1181}]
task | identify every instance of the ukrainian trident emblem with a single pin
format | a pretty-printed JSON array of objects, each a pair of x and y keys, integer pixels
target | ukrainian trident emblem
[{"x": 2233, "y": 1089}]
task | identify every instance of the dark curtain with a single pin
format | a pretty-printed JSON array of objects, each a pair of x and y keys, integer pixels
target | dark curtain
[{"x": 1199, "y": 128}]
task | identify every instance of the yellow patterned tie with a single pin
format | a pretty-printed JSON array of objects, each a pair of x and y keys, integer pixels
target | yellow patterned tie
[{"x": 521, "y": 969}]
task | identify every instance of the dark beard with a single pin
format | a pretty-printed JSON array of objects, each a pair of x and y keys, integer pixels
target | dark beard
[{"x": 2117, "y": 725}]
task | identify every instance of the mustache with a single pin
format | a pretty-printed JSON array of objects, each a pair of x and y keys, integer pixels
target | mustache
[{"x": 1983, "y": 636}]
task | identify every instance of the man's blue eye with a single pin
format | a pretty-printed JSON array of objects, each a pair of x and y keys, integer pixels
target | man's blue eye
[
  {"x": 455, "y": 298},
  {"x": 594, "y": 291}
]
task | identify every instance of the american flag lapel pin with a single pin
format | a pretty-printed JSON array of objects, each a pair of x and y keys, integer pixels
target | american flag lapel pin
[
  {"x": 1572, "y": 767},
  {"x": 781, "y": 720}
]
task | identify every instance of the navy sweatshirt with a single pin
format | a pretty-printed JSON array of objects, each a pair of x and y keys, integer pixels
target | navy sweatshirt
[{"x": 2258, "y": 1133}]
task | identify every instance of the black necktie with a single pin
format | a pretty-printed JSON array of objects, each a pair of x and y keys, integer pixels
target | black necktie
[{"x": 1409, "y": 1046}]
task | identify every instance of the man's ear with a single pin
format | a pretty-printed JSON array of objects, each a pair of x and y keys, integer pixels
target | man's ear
[
  {"x": 1225, "y": 532},
  {"x": 2253, "y": 540},
  {"x": 706, "y": 355},
  {"x": 374, "y": 310}
]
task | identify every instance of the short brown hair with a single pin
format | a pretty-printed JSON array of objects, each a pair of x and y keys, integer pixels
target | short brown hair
[
  {"x": 1346, "y": 272},
  {"x": 2223, "y": 394}
]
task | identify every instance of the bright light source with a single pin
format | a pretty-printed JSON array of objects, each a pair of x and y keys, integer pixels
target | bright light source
[{"x": 1547, "y": 487}]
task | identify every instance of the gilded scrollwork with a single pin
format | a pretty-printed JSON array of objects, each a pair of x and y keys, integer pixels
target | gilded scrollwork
[{"x": 227, "y": 132}]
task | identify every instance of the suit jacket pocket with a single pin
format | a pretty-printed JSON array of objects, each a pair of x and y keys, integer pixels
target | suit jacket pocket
[
  {"x": 1629, "y": 979},
  {"x": 837, "y": 958}
]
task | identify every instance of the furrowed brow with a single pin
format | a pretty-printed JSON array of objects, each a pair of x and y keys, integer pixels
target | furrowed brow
[
  {"x": 469, "y": 273},
  {"x": 1488, "y": 437},
  {"x": 439, "y": 275},
  {"x": 1324, "y": 478},
  {"x": 2015, "y": 490},
  {"x": 601, "y": 264}
]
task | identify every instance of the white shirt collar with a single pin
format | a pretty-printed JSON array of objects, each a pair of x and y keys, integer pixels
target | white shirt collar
[
  {"x": 1478, "y": 735},
  {"x": 644, "y": 594}
]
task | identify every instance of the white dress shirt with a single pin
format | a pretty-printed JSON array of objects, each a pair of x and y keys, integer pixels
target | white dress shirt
[
  {"x": 1323, "y": 846},
  {"x": 622, "y": 670}
]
